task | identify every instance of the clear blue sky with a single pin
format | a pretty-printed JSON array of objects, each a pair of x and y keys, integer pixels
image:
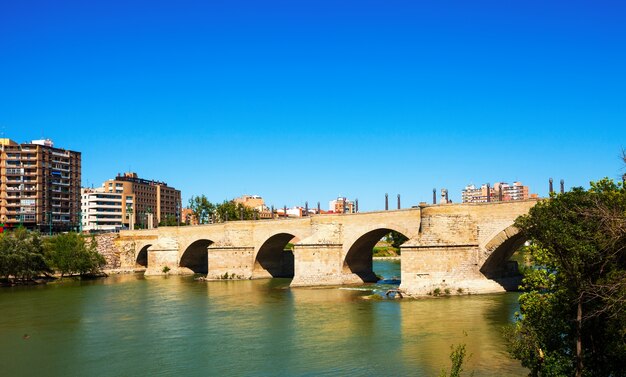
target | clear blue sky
[{"x": 307, "y": 100}]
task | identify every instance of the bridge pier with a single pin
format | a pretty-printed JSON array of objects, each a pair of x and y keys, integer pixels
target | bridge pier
[
  {"x": 230, "y": 262},
  {"x": 164, "y": 254},
  {"x": 317, "y": 264},
  {"x": 322, "y": 264},
  {"x": 456, "y": 268}
]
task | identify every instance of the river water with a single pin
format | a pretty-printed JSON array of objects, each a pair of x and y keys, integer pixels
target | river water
[{"x": 130, "y": 325}]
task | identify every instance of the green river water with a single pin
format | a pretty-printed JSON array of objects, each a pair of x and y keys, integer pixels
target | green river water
[{"x": 130, "y": 325}]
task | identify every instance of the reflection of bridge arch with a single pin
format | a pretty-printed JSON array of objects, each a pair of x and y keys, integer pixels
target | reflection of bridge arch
[
  {"x": 195, "y": 257},
  {"x": 272, "y": 260},
  {"x": 141, "y": 259},
  {"x": 358, "y": 259},
  {"x": 499, "y": 250}
]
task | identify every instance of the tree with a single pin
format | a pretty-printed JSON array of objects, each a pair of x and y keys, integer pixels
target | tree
[
  {"x": 229, "y": 210},
  {"x": 396, "y": 239},
  {"x": 572, "y": 318},
  {"x": 21, "y": 255},
  {"x": 202, "y": 208},
  {"x": 69, "y": 253}
]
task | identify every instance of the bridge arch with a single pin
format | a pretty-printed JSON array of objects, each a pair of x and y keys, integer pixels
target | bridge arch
[
  {"x": 359, "y": 257},
  {"x": 500, "y": 249},
  {"x": 141, "y": 259},
  {"x": 272, "y": 260},
  {"x": 195, "y": 256}
]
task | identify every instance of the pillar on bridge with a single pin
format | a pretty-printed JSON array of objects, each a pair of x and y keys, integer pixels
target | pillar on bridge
[
  {"x": 398, "y": 201},
  {"x": 434, "y": 196},
  {"x": 551, "y": 188},
  {"x": 306, "y": 208},
  {"x": 356, "y": 202},
  {"x": 319, "y": 209},
  {"x": 488, "y": 192},
  {"x": 562, "y": 186},
  {"x": 386, "y": 202}
]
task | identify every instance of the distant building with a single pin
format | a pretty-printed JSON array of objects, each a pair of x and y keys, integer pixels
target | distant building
[
  {"x": 145, "y": 198},
  {"x": 40, "y": 186},
  {"x": 100, "y": 210},
  {"x": 188, "y": 217},
  {"x": 341, "y": 205},
  {"x": 252, "y": 201},
  {"x": 499, "y": 191}
]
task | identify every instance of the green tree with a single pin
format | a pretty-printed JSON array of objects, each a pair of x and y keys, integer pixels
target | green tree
[
  {"x": 21, "y": 255},
  {"x": 202, "y": 208},
  {"x": 396, "y": 239},
  {"x": 572, "y": 318},
  {"x": 231, "y": 211},
  {"x": 69, "y": 254},
  {"x": 169, "y": 220}
]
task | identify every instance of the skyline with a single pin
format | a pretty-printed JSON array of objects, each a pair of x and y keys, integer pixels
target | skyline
[{"x": 308, "y": 101}]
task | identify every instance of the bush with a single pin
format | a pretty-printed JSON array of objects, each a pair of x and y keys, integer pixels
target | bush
[
  {"x": 69, "y": 254},
  {"x": 21, "y": 255}
]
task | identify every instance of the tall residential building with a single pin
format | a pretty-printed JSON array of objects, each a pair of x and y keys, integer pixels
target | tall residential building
[
  {"x": 341, "y": 205},
  {"x": 144, "y": 198},
  {"x": 40, "y": 186},
  {"x": 498, "y": 191},
  {"x": 100, "y": 210}
]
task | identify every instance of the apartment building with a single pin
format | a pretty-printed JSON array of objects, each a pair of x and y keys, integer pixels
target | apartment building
[
  {"x": 39, "y": 186},
  {"x": 101, "y": 211},
  {"x": 499, "y": 191},
  {"x": 341, "y": 205},
  {"x": 144, "y": 199}
]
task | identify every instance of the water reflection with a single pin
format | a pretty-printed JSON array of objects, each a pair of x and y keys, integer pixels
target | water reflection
[{"x": 131, "y": 325}]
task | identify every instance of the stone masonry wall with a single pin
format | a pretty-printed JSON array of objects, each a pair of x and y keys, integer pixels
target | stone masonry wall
[{"x": 108, "y": 249}]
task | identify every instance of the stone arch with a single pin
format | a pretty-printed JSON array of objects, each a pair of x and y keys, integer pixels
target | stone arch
[
  {"x": 358, "y": 259},
  {"x": 499, "y": 250},
  {"x": 272, "y": 260},
  {"x": 196, "y": 256},
  {"x": 141, "y": 260}
]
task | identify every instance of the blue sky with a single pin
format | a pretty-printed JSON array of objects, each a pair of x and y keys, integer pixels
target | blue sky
[{"x": 306, "y": 100}]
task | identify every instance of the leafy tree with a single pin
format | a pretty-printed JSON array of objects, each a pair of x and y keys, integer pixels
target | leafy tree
[
  {"x": 573, "y": 313},
  {"x": 69, "y": 253},
  {"x": 169, "y": 220},
  {"x": 21, "y": 255},
  {"x": 202, "y": 208},
  {"x": 229, "y": 210},
  {"x": 396, "y": 239},
  {"x": 457, "y": 358}
]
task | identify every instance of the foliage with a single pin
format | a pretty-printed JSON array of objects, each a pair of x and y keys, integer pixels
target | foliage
[
  {"x": 573, "y": 313},
  {"x": 457, "y": 358},
  {"x": 396, "y": 239},
  {"x": 229, "y": 211},
  {"x": 68, "y": 253},
  {"x": 169, "y": 220},
  {"x": 21, "y": 255},
  {"x": 166, "y": 269},
  {"x": 202, "y": 208},
  {"x": 385, "y": 251}
]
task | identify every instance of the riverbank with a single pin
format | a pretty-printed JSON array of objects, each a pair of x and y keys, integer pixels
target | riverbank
[{"x": 387, "y": 258}]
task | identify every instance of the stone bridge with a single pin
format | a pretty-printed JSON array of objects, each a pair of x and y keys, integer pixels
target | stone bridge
[{"x": 461, "y": 247}]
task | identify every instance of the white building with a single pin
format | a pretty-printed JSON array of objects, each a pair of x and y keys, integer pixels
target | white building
[
  {"x": 341, "y": 205},
  {"x": 101, "y": 211}
]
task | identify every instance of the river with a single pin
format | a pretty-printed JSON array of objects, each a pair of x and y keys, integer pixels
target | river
[{"x": 130, "y": 325}]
